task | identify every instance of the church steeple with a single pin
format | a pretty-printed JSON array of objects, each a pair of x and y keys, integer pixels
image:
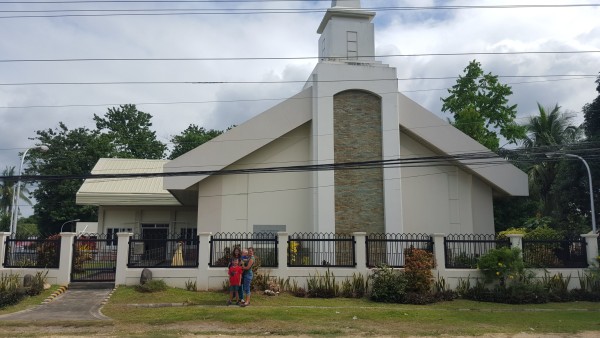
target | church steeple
[
  {"x": 345, "y": 3},
  {"x": 347, "y": 33}
]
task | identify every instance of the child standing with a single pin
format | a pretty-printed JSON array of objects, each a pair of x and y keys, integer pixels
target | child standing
[{"x": 235, "y": 281}]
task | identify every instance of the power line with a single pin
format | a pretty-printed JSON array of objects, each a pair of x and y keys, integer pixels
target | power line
[
  {"x": 468, "y": 159},
  {"x": 275, "y": 82},
  {"x": 249, "y": 11},
  {"x": 260, "y": 58}
]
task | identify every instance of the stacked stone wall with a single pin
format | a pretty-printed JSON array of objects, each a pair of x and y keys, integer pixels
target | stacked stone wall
[{"x": 359, "y": 203}]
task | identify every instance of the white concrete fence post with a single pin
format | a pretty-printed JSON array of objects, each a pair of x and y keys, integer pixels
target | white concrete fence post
[
  {"x": 360, "y": 250},
  {"x": 202, "y": 280},
  {"x": 122, "y": 257},
  {"x": 591, "y": 248},
  {"x": 282, "y": 252},
  {"x": 516, "y": 241},
  {"x": 66, "y": 258},
  {"x": 3, "y": 237},
  {"x": 438, "y": 253}
]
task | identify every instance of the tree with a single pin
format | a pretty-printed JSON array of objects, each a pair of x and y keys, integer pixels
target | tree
[
  {"x": 72, "y": 154},
  {"x": 192, "y": 137},
  {"x": 128, "y": 131},
  {"x": 7, "y": 193},
  {"x": 591, "y": 114},
  {"x": 479, "y": 104},
  {"x": 547, "y": 131}
]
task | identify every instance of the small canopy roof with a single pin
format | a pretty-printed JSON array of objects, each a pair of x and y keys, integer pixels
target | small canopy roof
[{"x": 125, "y": 191}]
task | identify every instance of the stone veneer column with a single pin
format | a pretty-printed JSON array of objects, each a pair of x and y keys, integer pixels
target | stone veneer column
[{"x": 359, "y": 198}]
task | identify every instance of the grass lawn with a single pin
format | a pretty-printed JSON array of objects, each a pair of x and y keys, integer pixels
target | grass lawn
[{"x": 205, "y": 313}]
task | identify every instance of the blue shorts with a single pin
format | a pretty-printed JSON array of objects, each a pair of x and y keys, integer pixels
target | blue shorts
[{"x": 234, "y": 288}]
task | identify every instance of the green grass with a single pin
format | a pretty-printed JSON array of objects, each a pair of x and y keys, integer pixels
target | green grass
[
  {"x": 29, "y": 302},
  {"x": 204, "y": 313}
]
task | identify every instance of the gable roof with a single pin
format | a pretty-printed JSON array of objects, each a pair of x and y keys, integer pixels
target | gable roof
[
  {"x": 291, "y": 113},
  {"x": 240, "y": 141},
  {"x": 446, "y": 139},
  {"x": 125, "y": 191}
]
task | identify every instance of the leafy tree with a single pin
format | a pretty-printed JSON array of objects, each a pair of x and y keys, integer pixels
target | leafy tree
[
  {"x": 479, "y": 104},
  {"x": 72, "y": 153},
  {"x": 192, "y": 137},
  {"x": 128, "y": 131},
  {"x": 591, "y": 113}
]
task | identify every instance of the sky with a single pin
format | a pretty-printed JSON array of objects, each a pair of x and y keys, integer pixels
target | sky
[{"x": 279, "y": 47}]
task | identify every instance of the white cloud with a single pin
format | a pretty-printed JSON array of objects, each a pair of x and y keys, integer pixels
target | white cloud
[{"x": 273, "y": 35}]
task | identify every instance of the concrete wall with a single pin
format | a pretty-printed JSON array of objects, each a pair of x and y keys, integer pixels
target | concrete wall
[{"x": 208, "y": 278}]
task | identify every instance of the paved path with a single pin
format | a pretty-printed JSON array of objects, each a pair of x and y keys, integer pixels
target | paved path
[{"x": 71, "y": 305}]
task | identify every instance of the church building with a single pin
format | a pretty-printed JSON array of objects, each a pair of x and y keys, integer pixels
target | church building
[{"x": 347, "y": 153}]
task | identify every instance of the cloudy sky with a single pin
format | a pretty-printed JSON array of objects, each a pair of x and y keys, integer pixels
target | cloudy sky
[{"x": 218, "y": 33}]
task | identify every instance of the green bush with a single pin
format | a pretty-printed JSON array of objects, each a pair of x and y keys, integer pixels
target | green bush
[
  {"x": 501, "y": 264},
  {"x": 155, "y": 285},
  {"x": 389, "y": 286}
]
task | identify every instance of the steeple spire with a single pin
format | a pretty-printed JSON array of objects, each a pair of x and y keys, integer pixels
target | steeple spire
[{"x": 345, "y": 3}]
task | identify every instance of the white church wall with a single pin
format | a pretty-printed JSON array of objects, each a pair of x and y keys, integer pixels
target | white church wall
[
  {"x": 443, "y": 198},
  {"x": 245, "y": 200},
  {"x": 117, "y": 217},
  {"x": 482, "y": 207}
]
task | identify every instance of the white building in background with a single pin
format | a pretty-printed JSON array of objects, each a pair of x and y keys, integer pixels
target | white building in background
[{"x": 349, "y": 110}]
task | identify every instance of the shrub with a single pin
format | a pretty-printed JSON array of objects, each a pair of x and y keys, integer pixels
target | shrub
[
  {"x": 155, "y": 285},
  {"x": 354, "y": 288},
  {"x": 389, "y": 286},
  {"x": 322, "y": 286},
  {"x": 417, "y": 267},
  {"x": 557, "y": 287},
  {"x": 501, "y": 264},
  {"x": 191, "y": 285}
]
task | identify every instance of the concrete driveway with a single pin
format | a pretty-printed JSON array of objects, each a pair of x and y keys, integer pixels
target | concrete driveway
[{"x": 74, "y": 304}]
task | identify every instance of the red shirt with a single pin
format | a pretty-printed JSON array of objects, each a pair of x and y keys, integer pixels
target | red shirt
[{"x": 235, "y": 275}]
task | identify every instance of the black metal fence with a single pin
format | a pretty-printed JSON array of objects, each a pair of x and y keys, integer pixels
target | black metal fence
[
  {"x": 32, "y": 252},
  {"x": 555, "y": 253},
  {"x": 463, "y": 250},
  {"x": 389, "y": 249},
  {"x": 321, "y": 249},
  {"x": 94, "y": 258},
  {"x": 263, "y": 243},
  {"x": 172, "y": 251}
]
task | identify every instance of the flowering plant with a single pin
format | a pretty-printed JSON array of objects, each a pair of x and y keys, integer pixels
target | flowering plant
[{"x": 501, "y": 264}]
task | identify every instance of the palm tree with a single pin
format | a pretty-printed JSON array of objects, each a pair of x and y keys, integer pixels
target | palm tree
[
  {"x": 7, "y": 193},
  {"x": 551, "y": 128}
]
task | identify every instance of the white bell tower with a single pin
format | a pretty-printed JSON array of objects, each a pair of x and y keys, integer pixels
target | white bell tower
[
  {"x": 347, "y": 33},
  {"x": 347, "y": 77}
]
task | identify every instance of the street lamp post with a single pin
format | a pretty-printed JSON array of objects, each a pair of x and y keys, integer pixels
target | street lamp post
[
  {"x": 73, "y": 220},
  {"x": 15, "y": 213},
  {"x": 592, "y": 211}
]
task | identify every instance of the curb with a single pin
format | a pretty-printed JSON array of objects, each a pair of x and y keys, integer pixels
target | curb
[
  {"x": 55, "y": 294},
  {"x": 105, "y": 300}
]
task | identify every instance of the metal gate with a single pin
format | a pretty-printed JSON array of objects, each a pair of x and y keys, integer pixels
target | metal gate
[{"x": 94, "y": 258}]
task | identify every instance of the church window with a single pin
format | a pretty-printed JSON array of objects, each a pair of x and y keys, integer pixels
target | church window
[{"x": 352, "y": 44}]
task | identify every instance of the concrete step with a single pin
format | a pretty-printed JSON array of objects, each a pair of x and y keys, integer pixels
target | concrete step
[{"x": 91, "y": 285}]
